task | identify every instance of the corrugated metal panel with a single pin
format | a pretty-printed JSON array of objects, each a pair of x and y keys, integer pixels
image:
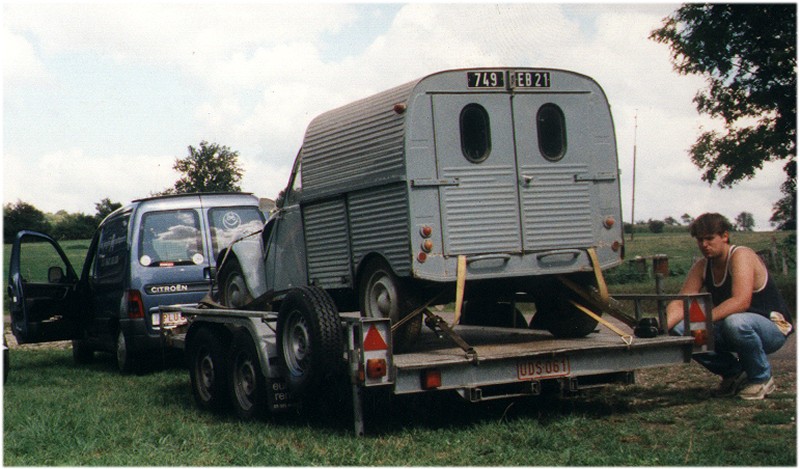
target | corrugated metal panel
[
  {"x": 379, "y": 221},
  {"x": 557, "y": 210},
  {"x": 482, "y": 210},
  {"x": 355, "y": 143},
  {"x": 327, "y": 244}
]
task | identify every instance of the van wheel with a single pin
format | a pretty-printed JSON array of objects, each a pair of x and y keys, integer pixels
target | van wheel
[
  {"x": 125, "y": 359},
  {"x": 383, "y": 295},
  {"x": 233, "y": 290},
  {"x": 81, "y": 352},
  {"x": 555, "y": 313},
  {"x": 247, "y": 383},
  {"x": 310, "y": 341},
  {"x": 207, "y": 370},
  {"x": 490, "y": 313}
]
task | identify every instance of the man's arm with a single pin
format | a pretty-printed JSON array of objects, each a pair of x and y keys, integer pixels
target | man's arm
[{"x": 692, "y": 284}]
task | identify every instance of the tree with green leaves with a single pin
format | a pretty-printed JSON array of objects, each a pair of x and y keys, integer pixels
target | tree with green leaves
[
  {"x": 209, "y": 168},
  {"x": 104, "y": 208},
  {"x": 744, "y": 222},
  {"x": 747, "y": 53},
  {"x": 22, "y": 216}
]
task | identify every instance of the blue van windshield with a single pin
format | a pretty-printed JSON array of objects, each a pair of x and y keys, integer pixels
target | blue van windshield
[
  {"x": 230, "y": 223},
  {"x": 170, "y": 238}
]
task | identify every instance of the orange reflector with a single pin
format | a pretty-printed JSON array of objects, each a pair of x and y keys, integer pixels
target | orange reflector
[
  {"x": 696, "y": 313},
  {"x": 374, "y": 340},
  {"x": 431, "y": 379},
  {"x": 700, "y": 337},
  {"x": 376, "y": 368}
]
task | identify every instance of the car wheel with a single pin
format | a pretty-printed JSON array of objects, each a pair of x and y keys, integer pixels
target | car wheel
[
  {"x": 125, "y": 358},
  {"x": 207, "y": 370},
  {"x": 247, "y": 382},
  {"x": 310, "y": 342},
  {"x": 383, "y": 295},
  {"x": 233, "y": 290}
]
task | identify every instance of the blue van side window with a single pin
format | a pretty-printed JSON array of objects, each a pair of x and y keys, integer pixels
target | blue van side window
[
  {"x": 229, "y": 223},
  {"x": 476, "y": 137},
  {"x": 170, "y": 238},
  {"x": 112, "y": 247},
  {"x": 552, "y": 131}
]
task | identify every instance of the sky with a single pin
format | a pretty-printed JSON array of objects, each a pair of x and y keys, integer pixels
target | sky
[{"x": 100, "y": 99}]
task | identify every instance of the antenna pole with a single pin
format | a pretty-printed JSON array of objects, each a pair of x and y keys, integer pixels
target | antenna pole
[{"x": 633, "y": 188}]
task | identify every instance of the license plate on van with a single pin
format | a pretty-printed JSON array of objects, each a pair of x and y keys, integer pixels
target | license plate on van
[
  {"x": 544, "y": 368},
  {"x": 169, "y": 319}
]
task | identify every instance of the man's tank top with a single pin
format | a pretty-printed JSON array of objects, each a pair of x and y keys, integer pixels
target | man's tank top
[{"x": 765, "y": 299}]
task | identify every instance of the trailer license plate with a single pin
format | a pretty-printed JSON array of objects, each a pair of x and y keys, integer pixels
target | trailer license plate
[{"x": 543, "y": 369}]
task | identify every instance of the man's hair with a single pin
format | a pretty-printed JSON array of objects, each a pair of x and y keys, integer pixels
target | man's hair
[{"x": 709, "y": 224}]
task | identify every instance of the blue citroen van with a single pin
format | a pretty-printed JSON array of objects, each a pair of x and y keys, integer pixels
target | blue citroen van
[{"x": 155, "y": 251}]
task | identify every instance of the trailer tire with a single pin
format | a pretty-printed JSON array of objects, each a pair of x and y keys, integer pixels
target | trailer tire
[
  {"x": 233, "y": 287},
  {"x": 247, "y": 382},
  {"x": 208, "y": 369},
  {"x": 310, "y": 343},
  {"x": 383, "y": 295}
]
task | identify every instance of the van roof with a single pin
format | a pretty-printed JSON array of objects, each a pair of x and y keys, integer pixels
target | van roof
[{"x": 191, "y": 194}]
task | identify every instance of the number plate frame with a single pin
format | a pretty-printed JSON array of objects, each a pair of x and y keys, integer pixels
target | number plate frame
[{"x": 544, "y": 368}]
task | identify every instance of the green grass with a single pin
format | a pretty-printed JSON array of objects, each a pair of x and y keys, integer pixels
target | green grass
[{"x": 56, "y": 413}]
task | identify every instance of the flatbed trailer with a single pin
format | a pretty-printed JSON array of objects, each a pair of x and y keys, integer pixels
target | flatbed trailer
[{"x": 479, "y": 363}]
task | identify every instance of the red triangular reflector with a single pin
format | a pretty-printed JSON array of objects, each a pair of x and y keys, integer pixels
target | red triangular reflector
[
  {"x": 374, "y": 340},
  {"x": 696, "y": 313}
]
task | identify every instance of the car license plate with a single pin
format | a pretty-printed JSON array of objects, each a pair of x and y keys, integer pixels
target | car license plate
[
  {"x": 169, "y": 319},
  {"x": 543, "y": 369}
]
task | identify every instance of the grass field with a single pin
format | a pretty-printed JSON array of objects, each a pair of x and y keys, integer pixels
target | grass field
[{"x": 57, "y": 413}]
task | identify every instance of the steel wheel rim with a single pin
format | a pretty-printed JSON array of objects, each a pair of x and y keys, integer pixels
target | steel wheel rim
[{"x": 296, "y": 344}]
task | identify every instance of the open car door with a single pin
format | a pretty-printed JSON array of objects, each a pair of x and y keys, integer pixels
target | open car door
[{"x": 42, "y": 290}]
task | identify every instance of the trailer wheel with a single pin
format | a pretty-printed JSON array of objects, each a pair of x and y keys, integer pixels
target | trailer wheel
[
  {"x": 207, "y": 370},
  {"x": 310, "y": 341},
  {"x": 233, "y": 288},
  {"x": 383, "y": 295},
  {"x": 247, "y": 383},
  {"x": 490, "y": 313}
]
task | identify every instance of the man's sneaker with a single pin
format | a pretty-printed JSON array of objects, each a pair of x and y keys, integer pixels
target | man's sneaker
[
  {"x": 730, "y": 385},
  {"x": 755, "y": 391}
]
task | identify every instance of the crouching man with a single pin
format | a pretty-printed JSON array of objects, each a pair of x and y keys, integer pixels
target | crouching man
[{"x": 751, "y": 319}]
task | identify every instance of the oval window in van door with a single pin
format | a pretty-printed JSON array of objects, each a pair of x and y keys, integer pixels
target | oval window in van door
[
  {"x": 552, "y": 132},
  {"x": 476, "y": 138}
]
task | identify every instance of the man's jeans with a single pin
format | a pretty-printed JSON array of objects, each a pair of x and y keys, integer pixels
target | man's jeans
[{"x": 751, "y": 336}]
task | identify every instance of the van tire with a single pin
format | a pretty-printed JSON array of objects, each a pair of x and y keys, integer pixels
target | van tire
[
  {"x": 384, "y": 295},
  {"x": 82, "y": 353},
  {"x": 556, "y": 314},
  {"x": 208, "y": 373},
  {"x": 247, "y": 385},
  {"x": 310, "y": 342},
  {"x": 490, "y": 313},
  {"x": 233, "y": 287}
]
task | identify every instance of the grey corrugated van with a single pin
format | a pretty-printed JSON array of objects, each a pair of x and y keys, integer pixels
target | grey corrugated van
[{"x": 154, "y": 251}]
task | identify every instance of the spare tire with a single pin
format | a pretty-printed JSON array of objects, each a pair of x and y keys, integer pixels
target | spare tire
[{"x": 310, "y": 343}]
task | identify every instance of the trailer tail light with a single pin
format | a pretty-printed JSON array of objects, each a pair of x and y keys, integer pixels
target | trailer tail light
[
  {"x": 376, "y": 368},
  {"x": 134, "y": 304},
  {"x": 431, "y": 379},
  {"x": 374, "y": 360}
]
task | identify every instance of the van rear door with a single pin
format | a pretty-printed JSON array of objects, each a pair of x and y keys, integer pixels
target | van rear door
[
  {"x": 478, "y": 172},
  {"x": 42, "y": 287}
]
